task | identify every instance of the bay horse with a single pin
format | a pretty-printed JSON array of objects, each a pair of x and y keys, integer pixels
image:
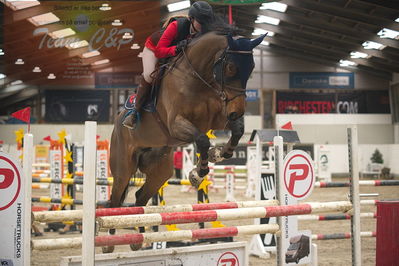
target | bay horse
[{"x": 202, "y": 89}]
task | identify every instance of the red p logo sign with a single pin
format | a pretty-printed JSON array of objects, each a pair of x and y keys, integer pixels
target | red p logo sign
[
  {"x": 303, "y": 170},
  {"x": 8, "y": 178}
]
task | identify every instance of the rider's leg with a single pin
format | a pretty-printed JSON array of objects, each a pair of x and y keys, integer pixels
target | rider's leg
[{"x": 149, "y": 62}]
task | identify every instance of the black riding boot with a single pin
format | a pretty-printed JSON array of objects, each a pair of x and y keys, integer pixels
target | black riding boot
[{"x": 142, "y": 92}]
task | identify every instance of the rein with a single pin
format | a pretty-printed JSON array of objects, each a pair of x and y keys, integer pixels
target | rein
[{"x": 222, "y": 91}]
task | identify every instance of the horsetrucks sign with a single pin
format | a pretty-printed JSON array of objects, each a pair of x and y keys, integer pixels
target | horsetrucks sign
[
  {"x": 11, "y": 211},
  {"x": 298, "y": 174},
  {"x": 298, "y": 179}
]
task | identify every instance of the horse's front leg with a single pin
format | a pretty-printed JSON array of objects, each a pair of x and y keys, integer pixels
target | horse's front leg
[
  {"x": 183, "y": 129},
  {"x": 219, "y": 154}
]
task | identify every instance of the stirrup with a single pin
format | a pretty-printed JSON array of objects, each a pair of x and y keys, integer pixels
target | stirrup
[{"x": 134, "y": 115}]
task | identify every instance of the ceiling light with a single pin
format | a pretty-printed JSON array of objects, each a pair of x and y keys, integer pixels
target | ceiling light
[
  {"x": 397, "y": 20},
  {"x": 178, "y": 6},
  {"x": 1, "y": 52},
  {"x": 258, "y": 31},
  {"x": 266, "y": 43},
  {"x": 58, "y": 34},
  {"x": 19, "y": 61},
  {"x": 2, "y": 76},
  {"x": 37, "y": 70},
  {"x": 359, "y": 55},
  {"x": 51, "y": 76},
  {"x": 78, "y": 44},
  {"x": 127, "y": 36},
  {"x": 346, "y": 63},
  {"x": 90, "y": 54},
  {"x": 18, "y": 5},
  {"x": 17, "y": 82},
  {"x": 373, "y": 45},
  {"x": 267, "y": 19},
  {"x": 387, "y": 33},
  {"x": 135, "y": 46},
  {"x": 280, "y": 7},
  {"x": 43, "y": 19},
  {"x": 105, "y": 7},
  {"x": 116, "y": 22},
  {"x": 100, "y": 62}
]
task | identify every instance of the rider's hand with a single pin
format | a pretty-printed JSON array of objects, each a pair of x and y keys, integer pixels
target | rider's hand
[{"x": 181, "y": 46}]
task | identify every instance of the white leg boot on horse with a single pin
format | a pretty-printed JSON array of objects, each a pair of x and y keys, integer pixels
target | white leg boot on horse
[{"x": 143, "y": 90}]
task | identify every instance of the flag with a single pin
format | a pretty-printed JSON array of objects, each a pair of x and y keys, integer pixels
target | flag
[
  {"x": 287, "y": 126},
  {"x": 23, "y": 115},
  {"x": 48, "y": 138}
]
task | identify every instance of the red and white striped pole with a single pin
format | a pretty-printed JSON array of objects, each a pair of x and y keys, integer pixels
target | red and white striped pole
[
  {"x": 220, "y": 215},
  {"x": 127, "y": 239},
  {"x": 76, "y": 215}
]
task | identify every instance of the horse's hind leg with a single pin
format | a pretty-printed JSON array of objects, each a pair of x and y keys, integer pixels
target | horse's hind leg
[
  {"x": 157, "y": 164},
  {"x": 184, "y": 130},
  {"x": 123, "y": 163}
]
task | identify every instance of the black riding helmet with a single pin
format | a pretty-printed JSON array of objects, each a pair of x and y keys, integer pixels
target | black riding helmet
[{"x": 202, "y": 12}]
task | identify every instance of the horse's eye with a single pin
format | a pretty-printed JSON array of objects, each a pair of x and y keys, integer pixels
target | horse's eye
[{"x": 231, "y": 70}]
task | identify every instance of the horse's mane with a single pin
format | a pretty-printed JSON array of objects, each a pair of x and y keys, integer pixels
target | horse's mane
[
  {"x": 218, "y": 26},
  {"x": 221, "y": 27}
]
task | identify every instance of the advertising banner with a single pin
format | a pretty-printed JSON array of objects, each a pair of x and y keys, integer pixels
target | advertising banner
[
  {"x": 12, "y": 208},
  {"x": 77, "y": 105},
  {"x": 321, "y": 80},
  {"x": 305, "y": 103},
  {"x": 356, "y": 102},
  {"x": 65, "y": 43}
]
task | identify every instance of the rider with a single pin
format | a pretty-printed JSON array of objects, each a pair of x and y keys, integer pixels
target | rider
[{"x": 172, "y": 41}]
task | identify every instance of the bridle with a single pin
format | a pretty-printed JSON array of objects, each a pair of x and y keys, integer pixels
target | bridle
[{"x": 221, "y": 89}]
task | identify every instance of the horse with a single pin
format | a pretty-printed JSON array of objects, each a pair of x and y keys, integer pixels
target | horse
[{"x": 202, "y": 89}]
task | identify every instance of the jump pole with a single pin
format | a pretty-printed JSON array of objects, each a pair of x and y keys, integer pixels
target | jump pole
[
  {"x": 222, "y": 215},
  {"x": 76, "y": 215},
  {"x": 89, "y": 194},
  {"x": 354, "y": 195},
  {"x": 279, "y": 161},
  {"x": 27, "y": 170}
]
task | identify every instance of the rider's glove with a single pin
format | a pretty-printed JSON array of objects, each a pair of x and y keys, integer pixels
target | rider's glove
[{"x": 181, "y": 46}]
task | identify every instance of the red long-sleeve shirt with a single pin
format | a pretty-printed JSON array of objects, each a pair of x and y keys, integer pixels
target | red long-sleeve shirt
[{"x": 164, "y": 48}]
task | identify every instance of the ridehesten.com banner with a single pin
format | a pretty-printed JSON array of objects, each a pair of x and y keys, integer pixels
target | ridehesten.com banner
[{"x": 356, "y": 102}]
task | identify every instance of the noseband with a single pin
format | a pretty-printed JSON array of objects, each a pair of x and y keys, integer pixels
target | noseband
[{"x": 221, "y": 89}]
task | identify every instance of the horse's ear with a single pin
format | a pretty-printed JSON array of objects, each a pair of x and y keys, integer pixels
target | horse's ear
[
  {"x": 231, "y": 42},
  {"x": 257, "y": 41}
]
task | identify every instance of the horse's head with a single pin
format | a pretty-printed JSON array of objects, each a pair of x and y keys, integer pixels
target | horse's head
[{"x": 232, "y": 69}]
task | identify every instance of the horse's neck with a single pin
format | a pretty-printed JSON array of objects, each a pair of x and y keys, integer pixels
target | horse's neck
[{"x": 202, "y": 54}]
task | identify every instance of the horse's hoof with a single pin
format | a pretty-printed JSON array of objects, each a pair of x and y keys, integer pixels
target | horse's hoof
[
  {"x": 194, "y": 178},
  {"x": 215, "y": 155},
  {"x": 108, "y": 249},
  {"x": 135, "y": 247}
]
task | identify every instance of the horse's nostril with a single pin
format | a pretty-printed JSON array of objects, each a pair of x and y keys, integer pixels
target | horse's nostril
[{"x": 232, "y": 116}]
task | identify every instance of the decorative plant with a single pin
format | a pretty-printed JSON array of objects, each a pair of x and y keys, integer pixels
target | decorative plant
[{"x": 377, "y": 157}]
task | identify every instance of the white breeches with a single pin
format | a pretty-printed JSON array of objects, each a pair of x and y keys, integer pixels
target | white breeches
[{"x": 149, "y": 62}]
